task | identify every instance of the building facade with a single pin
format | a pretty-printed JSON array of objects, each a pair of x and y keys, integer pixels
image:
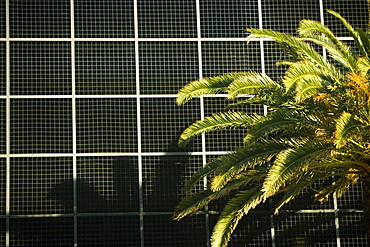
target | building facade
[{"x": 88, "y": 137}]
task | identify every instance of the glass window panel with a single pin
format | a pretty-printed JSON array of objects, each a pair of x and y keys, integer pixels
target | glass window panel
[
  {"x": 108, "y": 231},
  {"x": 37, "y": 185},
  {"x": 107, "y": 184},
  {"x": 186, "y": 232},
  {"x": 40, "y": 68},
  {"x": 44, "y": 231},
  {"x": 162, "y": 121},
  {"x": 40, "y": 19},
  {"x": 306, "y": 229},
  {"x": 230, "y": 56},
  {"x": 104, "y": 19},
  {"x": 104, "y": 68},
  {"x": 285, "y": 15},
  {"x": 167, "y": 66},
  {"x": 106, "y": 125},
  {"x": 227, "y": 19},
  {"x": 167, "y": 19},
  {"x": 164, "y": 178},
  {"x": 41, "y": 126}
]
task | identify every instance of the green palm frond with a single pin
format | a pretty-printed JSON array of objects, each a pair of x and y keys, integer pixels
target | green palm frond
[
  {"x": 358, "y": 38},
  {"x": 307, "y": 88},
  {"x": 212, "y": 85},
  {"x": 346, "y": 127},
  {"x": 339, "y": 51},
  {"x": 197, "y": 201},
  {"x": 365, "y": 39},
  {"x": 311, "y": 30},
  {"x": 304, "y": 180},
  {"x": 294, "y": 160},
  {"x": 192, "y": 203},
  {"x": 277, "y": 120},
  {"x": 233, "y": 212},
  {"x": 206, "y": 170},
  {"x": 301, "y": 71},
  {"x": 223, "y": 120},
  {"x": 317, "y": 126},
  {"x": 302, "y": 49},
  {"x": 251, "y": 83},
  {"x": 244, "y": 158},
  {"x": 364, "y": 65}
]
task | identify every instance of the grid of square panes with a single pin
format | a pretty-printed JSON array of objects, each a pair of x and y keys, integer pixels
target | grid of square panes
[{"x": 88, "y": 138}]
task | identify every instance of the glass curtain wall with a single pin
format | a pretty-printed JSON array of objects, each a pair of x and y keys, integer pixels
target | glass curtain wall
[{"x": 89, "y": 127}]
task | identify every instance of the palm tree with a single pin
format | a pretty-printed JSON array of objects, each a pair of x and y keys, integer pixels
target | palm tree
[{"x": 317, "y": 128}]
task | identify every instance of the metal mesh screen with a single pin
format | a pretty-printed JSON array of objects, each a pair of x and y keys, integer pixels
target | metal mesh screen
[{"x": 88, "y": 137}]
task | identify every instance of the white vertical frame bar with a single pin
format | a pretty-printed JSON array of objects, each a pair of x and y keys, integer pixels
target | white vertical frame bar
[
  {"x": 138, "y": 119},
  {"x": 201, "y": 99},
  {"x": 74, "y": 127},
  {"x": 265, "y": 108},
  {"x": 335, "y": 201},
  {"x": 7, "y": 189}
]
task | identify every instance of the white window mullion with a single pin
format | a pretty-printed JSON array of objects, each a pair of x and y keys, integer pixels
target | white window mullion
[
  {"x": 138, "y": 124},
  {"x": 74, "y": 128},
  {"x": 7, "y": 189}
]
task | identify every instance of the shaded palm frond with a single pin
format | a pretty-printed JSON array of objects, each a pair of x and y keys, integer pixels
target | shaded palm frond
[
  {"x": 192, "y": 203},
  {"x": 245, "y": 158},
  {"x": 339, "y": 187},
  {"x": 292, "y": 161},
  {"x": 233, "y": 212},
  {"x": 212, "y": 85},
  {"x": 277, "y": 120},
  {"x": 360, "y": 39},
  {"x": 223, "y": 120},
  {"x": 346, "y": 127},
  {"x": 197, "y": 201}
]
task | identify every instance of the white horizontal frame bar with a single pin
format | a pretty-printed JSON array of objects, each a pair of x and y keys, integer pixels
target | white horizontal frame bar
[
  {"x": 147, "y": 39},
  {"x": 111, "y": 154}
]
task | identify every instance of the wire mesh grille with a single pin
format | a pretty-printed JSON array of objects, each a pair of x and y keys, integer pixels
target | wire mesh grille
[
  {"x": 305, "y": 229},
  {"x": 89, "y": 150},
  {"x": 3, "y": 127},
  {"x": 34, "y": 185},
  {"x": 167, "y": 19},
  {"x": 105, "y": 68},
  {"x": 107, "y": 184},
  {"x": 224, "y": 19},
  {"x": 53, "y": 231},
  {"x": 189, "y": 232},
  {"x": 40, "y": 19},
  {"x": 2, "y": 68},
  {"x": 166, "y": 66},
  {"x": 284, "y": 16},
  {"x": 41, "y": 68},
  {"x": 106, "y": 125},
  {"x": 163, "y": 181},
  {"x": 41, "y": 126},
  {"x": 162, "y": 122},
  {"x": 109, "y": 231},
  {"x": 104, "y": 19}
]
